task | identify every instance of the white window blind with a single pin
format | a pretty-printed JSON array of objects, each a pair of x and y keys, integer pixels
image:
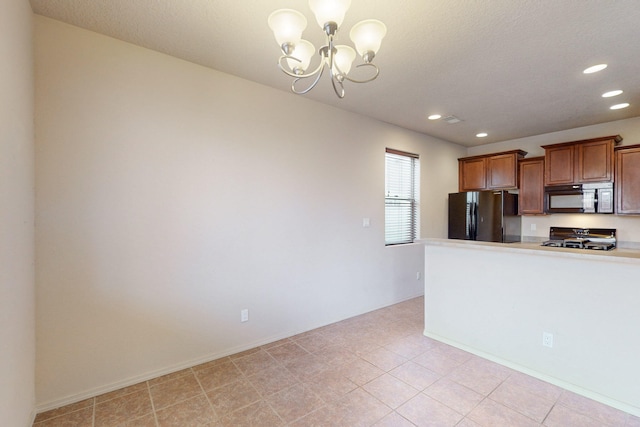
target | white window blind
[{"x": 401, "y": 210}]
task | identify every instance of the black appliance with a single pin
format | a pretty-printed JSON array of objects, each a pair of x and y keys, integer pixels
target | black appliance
[
  {"x": 579, "y": 198},
  {"x": 602, "y": 239},
  {"x": 488, "y": 216}
]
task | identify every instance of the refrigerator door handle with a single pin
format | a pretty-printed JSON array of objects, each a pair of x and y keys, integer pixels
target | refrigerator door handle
[
  {"x": 470, "y": 221},
  {"x": 473, "y": 227}
]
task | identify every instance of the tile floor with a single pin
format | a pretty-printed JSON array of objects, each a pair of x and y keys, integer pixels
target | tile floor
[{"x": 376, "y": 369}]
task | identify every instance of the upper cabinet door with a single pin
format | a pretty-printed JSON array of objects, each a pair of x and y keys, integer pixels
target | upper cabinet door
[
  {"x": 502, "y": 171},
  {"x": 558, "y": 165},
  {"x": 472, "y": 174},
  {"x": 531, "y": 199},
  {"x": 595, "y": 161},
  {"x": 628, "y": 180}
]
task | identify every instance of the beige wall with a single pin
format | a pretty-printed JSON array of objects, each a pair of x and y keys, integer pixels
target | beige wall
[
  {"x": 17, "y": 344},
  {"x": 171, "y": 196},
  {"x": 628, "y": 227}
]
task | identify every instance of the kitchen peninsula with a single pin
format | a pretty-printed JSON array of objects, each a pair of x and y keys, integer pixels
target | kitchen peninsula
[{"x": 496, "y": 300}]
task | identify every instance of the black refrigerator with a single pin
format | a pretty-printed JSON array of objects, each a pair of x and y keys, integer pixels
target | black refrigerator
[{"x": 489, "y": 216}]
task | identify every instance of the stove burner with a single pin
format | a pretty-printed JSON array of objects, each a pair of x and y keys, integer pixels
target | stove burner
[
  {"x": 600, "y": 239},
  {"x": 599, "y": 246},
  {"x": 577, "y": 243}
]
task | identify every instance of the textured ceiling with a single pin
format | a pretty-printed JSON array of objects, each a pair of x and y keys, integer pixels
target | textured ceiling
[{"x": 512, "y": 68}]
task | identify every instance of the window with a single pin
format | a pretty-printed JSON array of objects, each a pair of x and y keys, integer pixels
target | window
[{"x": 402, "y": 189}]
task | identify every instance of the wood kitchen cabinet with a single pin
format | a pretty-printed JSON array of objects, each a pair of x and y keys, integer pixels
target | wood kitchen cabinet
[
  {"x": 627, "y": 180},
  {"x": 497, "y": 171},
  {"x": 579, "y": 162},
  {"x": 559, "y": 162},
  {"x": 472, "y": 174},
  {"x": 595, "y": 161},
  {"x": 531, "y": 197}
]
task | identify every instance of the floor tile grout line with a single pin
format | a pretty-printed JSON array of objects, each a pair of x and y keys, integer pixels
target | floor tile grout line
[
  {"x": 549, "y": 412},
  {"x": 245, "y": 378},
  {"x": 446, "y": 376},
  {"x": 36, "y": 424},
  {"x": 274, "y": 411},
  {"x": 488, "y": 395},
  {"x": 390, "y": 408},
  {"x": 206, "y": 396},
  {"x": 178, "y": 401},
  {"x": 554, "y": 403},
  {"x": 262, "y": 397},
  {"x": 587, "y": 415},
  {"x": 153, "y": 408},
  {"x": 404, "y": 418}
]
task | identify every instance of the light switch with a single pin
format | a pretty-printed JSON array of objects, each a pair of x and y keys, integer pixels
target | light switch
[{"x": 366, "y": 222}]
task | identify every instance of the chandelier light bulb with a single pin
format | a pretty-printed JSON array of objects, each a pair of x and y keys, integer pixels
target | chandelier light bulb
[
  {"x": 344, "y": 57},
  {"x": 287, "y": 26},
  {"x": 303, "y": 51},
  {"x": 367, "y": 35},
  {"x": 329, "y": 11}
]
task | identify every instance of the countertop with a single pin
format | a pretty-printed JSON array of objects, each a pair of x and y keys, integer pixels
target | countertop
[{"x": 615, "y": 255}]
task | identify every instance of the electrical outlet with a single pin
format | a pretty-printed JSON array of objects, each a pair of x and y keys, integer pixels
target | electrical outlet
[
  {"x": 547, "y": 339},
  {"x": 533, "y": 227},
  {"x": 244, "y": 315},
  {"x": 418, "y": 275}
]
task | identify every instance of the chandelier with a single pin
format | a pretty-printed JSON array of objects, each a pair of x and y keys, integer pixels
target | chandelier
[{"x": 287, "y": 26}]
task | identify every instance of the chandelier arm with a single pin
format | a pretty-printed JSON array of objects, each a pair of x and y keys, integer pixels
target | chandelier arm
[
  {"x": 334, "y": 79},
  {"x": 319, "y": 71},
  {"x": 301, "y": 76},
  {"x": 375, "y": 76}
]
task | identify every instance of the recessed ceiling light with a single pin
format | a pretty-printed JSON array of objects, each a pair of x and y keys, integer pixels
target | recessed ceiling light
[
  {"x": 611, "y": 93},
  {"x": 595, "y": 68},
  {"x": 482, "y": 134},
  {"x": 434, "y": 117},
  {"x": 619, "y": 106}
]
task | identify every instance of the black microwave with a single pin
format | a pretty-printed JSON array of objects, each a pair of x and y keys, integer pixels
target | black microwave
[{"x": 579, "y": 198}]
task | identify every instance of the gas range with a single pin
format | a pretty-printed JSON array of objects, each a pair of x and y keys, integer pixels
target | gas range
[{"x": 599, "y": 239}]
